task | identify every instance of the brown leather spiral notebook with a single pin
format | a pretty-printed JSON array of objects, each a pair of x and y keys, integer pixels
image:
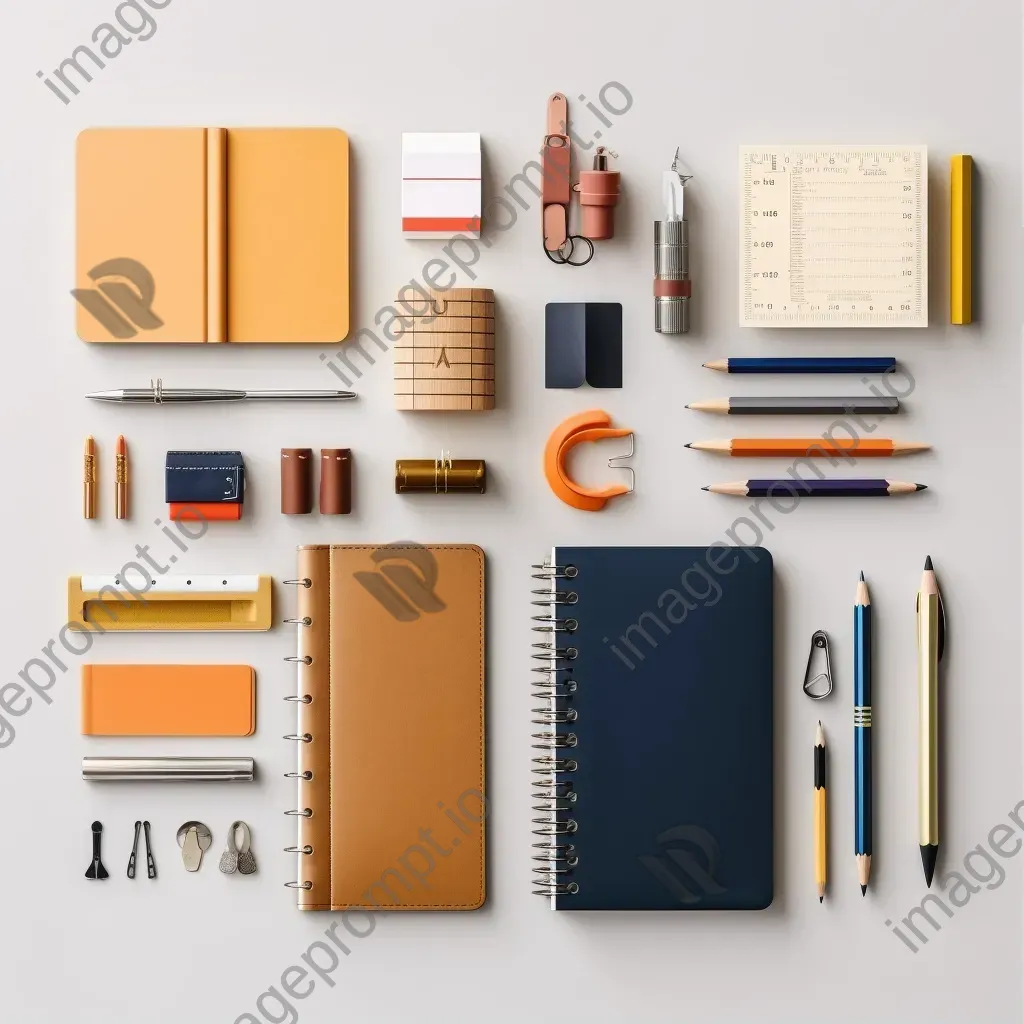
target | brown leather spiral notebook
[{"x": 391, "y": 809}]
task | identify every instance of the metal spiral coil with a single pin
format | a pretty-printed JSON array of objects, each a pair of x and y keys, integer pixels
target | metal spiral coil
[
  {"x": 555, "y": 572},
  {"x": 553, "y": 624},
  {"x": 558, "y": 716},
  {"x": 555, "y": 740},
  {"x": 554, "y": 797},
  {"x": 557, "y": 597},
  {"x": 303, "y": 661}
]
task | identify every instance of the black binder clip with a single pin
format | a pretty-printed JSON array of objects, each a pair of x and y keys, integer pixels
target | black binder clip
[{"x": 815, "y": 680}]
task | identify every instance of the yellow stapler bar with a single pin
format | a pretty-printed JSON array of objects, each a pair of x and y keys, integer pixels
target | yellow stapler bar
[{"x": 121, "y": 603}]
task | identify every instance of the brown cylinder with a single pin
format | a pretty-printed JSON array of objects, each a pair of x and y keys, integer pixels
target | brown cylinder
[
  {"x": 296, "y": 481},
  {"x": 335, "y": 481}
]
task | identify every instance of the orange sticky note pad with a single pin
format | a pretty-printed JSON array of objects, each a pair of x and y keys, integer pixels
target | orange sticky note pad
[{"x": 168, "y": 700}]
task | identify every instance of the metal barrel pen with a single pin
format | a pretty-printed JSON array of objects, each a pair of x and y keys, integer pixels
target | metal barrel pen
[
  {"x": 157, "y": 394},
  {"x": 930, "y": 643},
  {"x": 672, "y": 256}
]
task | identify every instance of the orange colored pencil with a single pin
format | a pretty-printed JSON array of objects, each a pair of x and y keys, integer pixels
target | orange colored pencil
[{"x": 813, "y": 447}]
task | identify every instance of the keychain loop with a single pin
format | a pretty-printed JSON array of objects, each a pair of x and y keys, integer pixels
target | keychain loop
[{"x": 812, "y": 679}]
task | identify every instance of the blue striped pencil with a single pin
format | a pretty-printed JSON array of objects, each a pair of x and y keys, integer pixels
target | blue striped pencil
[{"x": 862, "y": 733}]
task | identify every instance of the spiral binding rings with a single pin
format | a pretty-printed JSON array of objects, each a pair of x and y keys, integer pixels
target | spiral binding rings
[
  {"x": 555, "y": 572},
  {"x": 554, "y": 740},
  {"x": 558, "y": 716},
  {"x": 558, "y": 597},
  {"x": 305, "y": 737},
  {"x": 554, "y": 797},
  {"x": 555, "y": 625},
  {"x": 555, "y": 655}
]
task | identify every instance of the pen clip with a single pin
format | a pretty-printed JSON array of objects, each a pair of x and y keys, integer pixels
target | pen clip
[
  {"x": 819, "y": 642},
  {"x": 942, "y": 628},
  {"x": 941, "y": 640}
]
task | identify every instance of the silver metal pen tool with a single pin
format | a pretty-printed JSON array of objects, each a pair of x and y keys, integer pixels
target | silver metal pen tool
[
  {"x": 157, "y": 394},
  {"x": 672, "y": 255}
]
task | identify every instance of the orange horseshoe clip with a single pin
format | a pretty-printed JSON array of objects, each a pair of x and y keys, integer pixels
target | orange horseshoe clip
[{"x": 592, "y": 425}]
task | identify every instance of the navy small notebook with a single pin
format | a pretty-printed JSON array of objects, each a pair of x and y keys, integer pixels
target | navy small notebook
[{"x": 657, "y": 772}]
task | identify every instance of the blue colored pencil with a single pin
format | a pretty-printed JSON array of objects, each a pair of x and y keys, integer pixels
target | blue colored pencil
[
  {"x": 810, "y": 364},
  {"x": 862, "y": 733}
]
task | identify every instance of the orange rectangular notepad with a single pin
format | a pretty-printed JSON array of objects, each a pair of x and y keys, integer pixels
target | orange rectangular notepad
[
  {"x": 168, "y": 700},
  {"x": 213, "y": 235}
]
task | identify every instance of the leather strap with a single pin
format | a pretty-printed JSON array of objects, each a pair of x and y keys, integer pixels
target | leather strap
[{"x": 556, "y": 162}]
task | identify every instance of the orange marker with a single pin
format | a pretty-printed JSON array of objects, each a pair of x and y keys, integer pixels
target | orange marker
[
  {"x": 121, "y": 479},
  {"x": 813, "y": 447}
]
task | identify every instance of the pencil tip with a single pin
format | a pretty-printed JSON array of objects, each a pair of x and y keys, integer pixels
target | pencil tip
[
  {"x": 929, "y": 855},
  {"x": 921, "y": 487},
  {"x": 928, "y": 563},
  {"x": 863, "y": 890},
  {"x": 705, "y": 488},
  {"x": 687, "y": 445},
  {"x": 821, "y": 899},
  {"x": 686, "y": 406},
  {"x": 862, "y": 575}
]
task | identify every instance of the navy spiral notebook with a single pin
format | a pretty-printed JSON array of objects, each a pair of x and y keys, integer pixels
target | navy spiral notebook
[{"x": 654, "y": 738}]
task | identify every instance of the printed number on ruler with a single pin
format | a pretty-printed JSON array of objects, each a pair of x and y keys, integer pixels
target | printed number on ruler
[{"x": 834, "y": 237}]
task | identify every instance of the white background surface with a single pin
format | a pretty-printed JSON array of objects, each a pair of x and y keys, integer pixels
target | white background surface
[{"x": 708, "y": 77}]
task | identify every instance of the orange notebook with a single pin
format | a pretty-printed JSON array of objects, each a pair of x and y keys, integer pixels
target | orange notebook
[
  {"x": 213, "y": 235},
  {"x": 168, "y": 700}
]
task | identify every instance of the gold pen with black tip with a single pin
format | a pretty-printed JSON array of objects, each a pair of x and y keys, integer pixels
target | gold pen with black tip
[{"x": 931, "y": 641}]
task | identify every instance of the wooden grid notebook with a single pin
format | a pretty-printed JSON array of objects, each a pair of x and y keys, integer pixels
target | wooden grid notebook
[
  {"x": 444, "y": 359},
  {"x": 390, "y": 735}
]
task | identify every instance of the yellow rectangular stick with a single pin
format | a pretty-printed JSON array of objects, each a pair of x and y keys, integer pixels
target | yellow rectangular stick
[{"x": 961, "y": 230}]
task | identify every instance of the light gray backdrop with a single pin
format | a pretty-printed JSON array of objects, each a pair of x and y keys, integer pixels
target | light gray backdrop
[{"x": 706, "y": 77}]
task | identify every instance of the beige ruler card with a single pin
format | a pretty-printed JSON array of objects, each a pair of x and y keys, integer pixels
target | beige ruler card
[{"x": 834, "y": 236}]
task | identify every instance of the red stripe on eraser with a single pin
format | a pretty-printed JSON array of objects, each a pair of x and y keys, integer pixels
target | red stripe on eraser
[{"x": 452, "y": 224}]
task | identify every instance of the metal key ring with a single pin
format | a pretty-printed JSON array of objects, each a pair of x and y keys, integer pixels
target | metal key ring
[
  {"x": 581, "y": 263},
  {"x": 557, "y": 256}
]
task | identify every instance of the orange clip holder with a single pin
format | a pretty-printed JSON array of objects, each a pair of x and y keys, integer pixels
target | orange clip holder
[{"x": 592, "y": 425}]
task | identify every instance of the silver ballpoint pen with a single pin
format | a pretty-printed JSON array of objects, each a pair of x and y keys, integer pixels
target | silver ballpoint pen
[
  {"x": 157, "y": 394},
  {"x": 672, "y": 286}
]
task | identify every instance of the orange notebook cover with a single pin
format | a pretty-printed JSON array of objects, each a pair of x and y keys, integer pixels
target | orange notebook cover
[
  {"x": 212, "y": 235},
  {"x": 168, "y": 700}
]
